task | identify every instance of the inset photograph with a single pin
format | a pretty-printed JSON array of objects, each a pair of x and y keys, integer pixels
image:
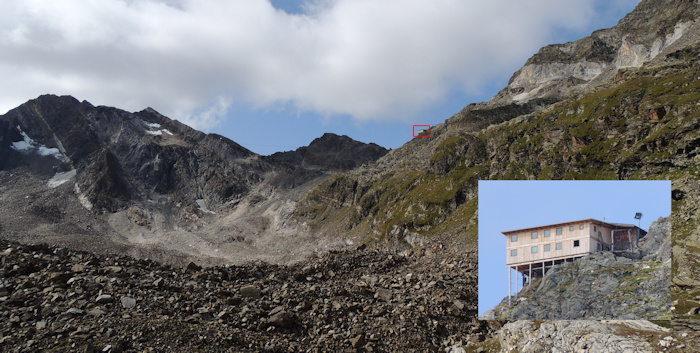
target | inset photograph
[{"x": 564, "y": 250}]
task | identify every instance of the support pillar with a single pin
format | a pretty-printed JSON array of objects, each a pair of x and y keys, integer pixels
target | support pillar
[
  {"x": 612, "y": 240},
  {"x": 629, "y": 237},
  {"x": 529, "y": 276},
  {"x": 509, "y": 281}
]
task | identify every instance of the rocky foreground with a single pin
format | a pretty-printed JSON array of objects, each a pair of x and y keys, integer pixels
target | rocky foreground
[{"x": 54, "y": 299}]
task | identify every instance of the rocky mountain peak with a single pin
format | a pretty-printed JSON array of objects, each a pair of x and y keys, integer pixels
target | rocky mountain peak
[{"x": 333, "y": 152}]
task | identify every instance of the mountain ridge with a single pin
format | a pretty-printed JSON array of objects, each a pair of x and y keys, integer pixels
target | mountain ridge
[
  {"x": 332, "y": 152},
  {"x": 148, "y": 183}
]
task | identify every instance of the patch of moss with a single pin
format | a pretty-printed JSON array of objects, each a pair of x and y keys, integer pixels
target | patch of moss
[
  {"x": 490, "y": 345},
  {"x": 663, "y": 323}
]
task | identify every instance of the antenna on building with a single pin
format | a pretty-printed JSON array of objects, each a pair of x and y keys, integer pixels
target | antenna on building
[{"x": 638, "y": 216}]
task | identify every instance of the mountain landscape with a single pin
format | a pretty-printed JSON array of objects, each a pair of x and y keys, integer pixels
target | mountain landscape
[
  {"x": 103, "y": 179},
  {"x": 151, "y": 226}
]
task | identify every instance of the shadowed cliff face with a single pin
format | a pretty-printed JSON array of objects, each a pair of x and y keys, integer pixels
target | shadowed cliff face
[
  {"x": 122, "y": 156},
  {"x": 113, "y": 179}
]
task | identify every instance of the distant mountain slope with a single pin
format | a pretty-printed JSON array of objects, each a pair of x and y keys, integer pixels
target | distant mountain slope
[
  {"x": 638, "y": 123},
  {"x": 100, "y": 178}
]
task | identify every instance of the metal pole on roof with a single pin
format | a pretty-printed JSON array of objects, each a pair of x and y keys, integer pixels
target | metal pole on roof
[{"x": 638, "y": 216}]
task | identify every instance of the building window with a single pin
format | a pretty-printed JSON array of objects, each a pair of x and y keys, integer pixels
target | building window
[
  {"x": 580, "y": 227},
  {"x": 546, "y": 247},
  {"x": 558, "y": 231},
  {"x": 571, "y": 228},
  {"x": 534, "y": 249},
  {"x": 558, "y": 246},
  {"x": 576, "y": 243},
  {"x": 594, "y": 228},
  {"x": 534, "y": 235},
  {"x": 546, "y": 233},
  {"x": 513, "y": 238},
  {"x": 514, "y": 252}
]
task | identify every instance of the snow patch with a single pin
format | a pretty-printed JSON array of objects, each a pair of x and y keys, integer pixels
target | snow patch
[
  {"x": 154, "y": 129},
  {"x": 28, "y": 145},
  {"x": 159, "y": 132},
  {"x": 203, "y": 206},
  {"x": 21, "y": 146},
  {"x": 61, "y": 178}
]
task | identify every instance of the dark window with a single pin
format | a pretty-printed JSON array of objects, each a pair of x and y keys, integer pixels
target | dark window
[
  {"x": 558, "y": 246},
  {"x": 576, "y": 243},
  {"x": 534, "y": 235},
  {"x": 546, "y": 247},
  {"x": 594, "y": 228},
  {"x": 546, "y": 233},
  {"x": 514, "y": 252},
  {"x": 513, "y": 238},
  {"x": 558, "y": 231},
  {"x": 534, "y": 249}
]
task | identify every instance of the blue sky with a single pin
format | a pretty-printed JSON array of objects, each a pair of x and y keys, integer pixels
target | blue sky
[
  {"x": 274, "y": 75},
  {"x": 509, "y": 205}
]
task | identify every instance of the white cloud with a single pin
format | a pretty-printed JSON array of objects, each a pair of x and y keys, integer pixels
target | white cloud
[{"x": 193, "y": 59}]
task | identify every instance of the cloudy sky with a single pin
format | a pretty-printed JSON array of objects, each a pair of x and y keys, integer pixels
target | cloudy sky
[{"x": 273, "y": 75}]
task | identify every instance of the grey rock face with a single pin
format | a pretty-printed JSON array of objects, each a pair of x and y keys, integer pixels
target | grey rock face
[
  {"x": 657, "y": 244},
  {"x": 566, "y": 336},
  {"x": 558, "y": 71}
]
